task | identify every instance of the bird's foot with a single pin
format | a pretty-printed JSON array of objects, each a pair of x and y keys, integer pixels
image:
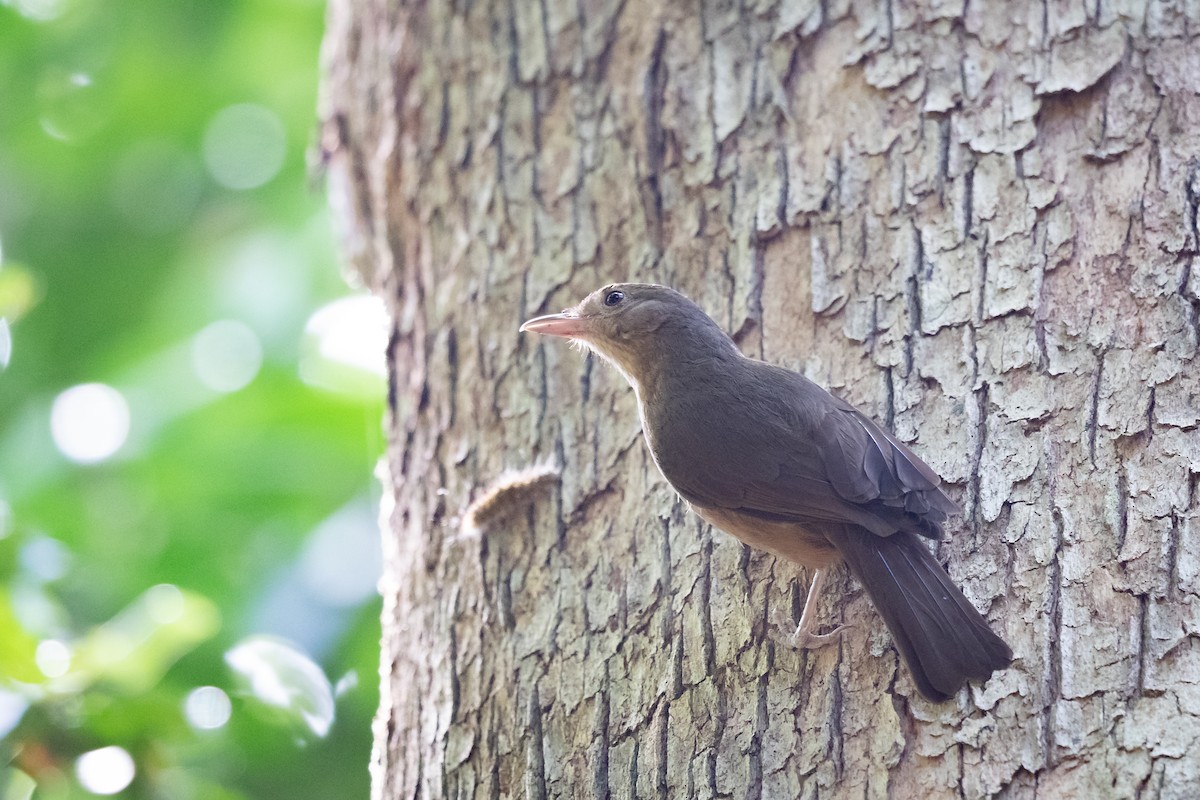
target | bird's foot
[
  {"x": 807, "y": 640},
  {"x": 804, "y": 638}
]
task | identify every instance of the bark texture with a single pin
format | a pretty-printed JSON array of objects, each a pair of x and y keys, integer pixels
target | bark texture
[{"x": 977, "y": 221}]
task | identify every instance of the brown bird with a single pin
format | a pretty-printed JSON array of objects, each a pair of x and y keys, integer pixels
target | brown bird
[{"x": 765, "y": 454}]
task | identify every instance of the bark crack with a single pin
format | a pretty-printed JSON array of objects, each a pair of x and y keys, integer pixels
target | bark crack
[
  {"x": 1093, "y": 425},
  {"x": 1052, "y": 676},
  {"x": 754, "y": 789},
  {"x": 913, "y": 284},
  {"x": 535, "y": 759},
  {"x": 600, "y": 733},
  {"x": 975, "y": 484},
  {"x": 1122, "y": 510},
  {"x": 654, "y": 90},
  {"x": 1143, "y": 654},
  {"x": 709, "y": 644},
  {"x": 664, "y": 717}
]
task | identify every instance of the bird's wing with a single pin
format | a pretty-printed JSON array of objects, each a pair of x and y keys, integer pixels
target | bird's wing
[
  {"x": 867, "y": 465},
  {"x": 810, "y": 457}
]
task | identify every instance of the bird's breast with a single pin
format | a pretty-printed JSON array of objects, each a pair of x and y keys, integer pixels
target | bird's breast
[
  {"x": 706, "y": 444},
  {"x": 788, "y": 540}
]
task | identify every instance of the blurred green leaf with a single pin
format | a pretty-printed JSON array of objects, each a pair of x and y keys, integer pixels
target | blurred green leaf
[
  {"x": 15, "y": 784},
  {"x": 135, "y": 649},
  {"x": 17, "y": 648},
  {"x": 19, "y": 291}
]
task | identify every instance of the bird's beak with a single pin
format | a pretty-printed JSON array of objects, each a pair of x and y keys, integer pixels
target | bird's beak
[{"x": 565, "y": 324}]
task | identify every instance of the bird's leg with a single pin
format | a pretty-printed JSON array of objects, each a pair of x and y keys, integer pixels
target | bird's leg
[{"x": 806, "y": 637}]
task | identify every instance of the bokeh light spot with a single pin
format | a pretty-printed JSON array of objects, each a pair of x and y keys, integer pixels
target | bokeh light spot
[
  {"x": 53, "y": 658},
  {"x": 5, "y": 343},
  {"x": 279, "y": 675},
  {"x": 165, "y": 603},
  {"x": 244, "y": 146},
  {"x": 352, "y": 331},
  {"x": 345, "y": 343},
  {"x": 89, "y": 422},
  {"x": 38, "y": 10},
  {"x": 347, "y": 683},
  {"x": 12, "y": 707},
  {"x": 45, "y": 559},
  {"x": 19, "y": 291},
  {"x": 70, "y": 105},
  {"x": 207, "y": 707},
  {"x": 226, "y": 355},
  {"x": 263, "y": 279},
  {"x": 342, "y": 561},
  {"x": 105, "y": 771}
]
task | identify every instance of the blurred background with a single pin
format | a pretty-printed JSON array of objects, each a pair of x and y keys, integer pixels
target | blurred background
[{"x": 190, "y": 400}]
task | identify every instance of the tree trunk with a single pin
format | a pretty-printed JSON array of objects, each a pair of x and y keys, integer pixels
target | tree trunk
[{"x": 977, "y": 221}]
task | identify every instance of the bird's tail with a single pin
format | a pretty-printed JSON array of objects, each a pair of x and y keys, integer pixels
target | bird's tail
[{"x": 941, "y": 636}]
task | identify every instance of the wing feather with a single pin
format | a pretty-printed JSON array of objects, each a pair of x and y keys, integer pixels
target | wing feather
[{"x": 805, "y": 455}]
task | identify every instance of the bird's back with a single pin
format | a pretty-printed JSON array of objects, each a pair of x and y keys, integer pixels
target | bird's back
[{"x": 750, "y": 436}]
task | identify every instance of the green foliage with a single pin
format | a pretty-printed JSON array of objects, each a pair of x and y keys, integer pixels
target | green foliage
[{"x": 199, "y": 596}]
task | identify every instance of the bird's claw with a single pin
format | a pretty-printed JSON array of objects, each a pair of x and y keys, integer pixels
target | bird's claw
[
  {"x": 807, "y": 640},
  {"x": 802, "y": 639}
]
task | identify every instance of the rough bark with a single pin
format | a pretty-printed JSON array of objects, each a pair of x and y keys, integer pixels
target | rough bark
[{"x": 977, "y": 221}]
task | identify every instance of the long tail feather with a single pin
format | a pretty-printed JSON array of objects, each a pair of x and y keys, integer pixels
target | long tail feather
[{"x": 944, "y": 641}]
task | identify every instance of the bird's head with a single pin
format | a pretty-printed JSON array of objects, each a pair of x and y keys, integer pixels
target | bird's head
[{"x": 638, "y": 327}]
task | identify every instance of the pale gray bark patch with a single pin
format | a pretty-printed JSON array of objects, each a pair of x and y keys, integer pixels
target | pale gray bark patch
[{"x": 977, "y": 221}]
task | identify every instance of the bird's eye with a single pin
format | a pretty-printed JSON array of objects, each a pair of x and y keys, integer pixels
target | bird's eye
[{"x": 614, "y": 298}]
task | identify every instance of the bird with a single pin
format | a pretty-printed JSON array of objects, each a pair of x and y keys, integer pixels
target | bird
[{"x": 765, "y": 454}]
